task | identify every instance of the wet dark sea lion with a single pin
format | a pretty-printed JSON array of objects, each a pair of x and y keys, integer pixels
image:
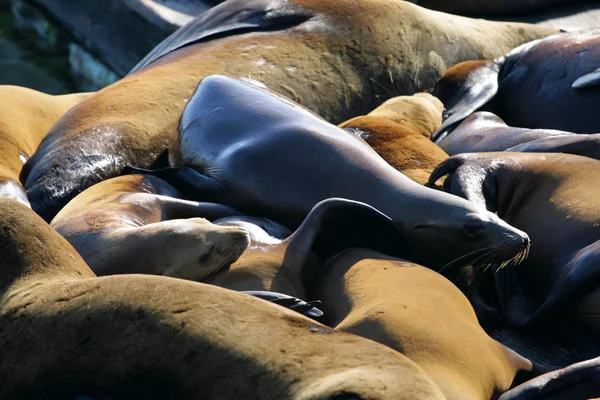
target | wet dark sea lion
[
  {"x": 137, "y": 224},
  {"x": 25, "y": 117},
  {"x": 422, "y": 315},
  {"x": 151, "y": 337},
  {"x": 355, "y": 54},
  {"x": 551, "y": 83},
  {"x": 290, "y": 159},
  {"x": 552, "y": 197},
  {"x": 577, "y": 381},
  {"x": 485, "y": 132}
]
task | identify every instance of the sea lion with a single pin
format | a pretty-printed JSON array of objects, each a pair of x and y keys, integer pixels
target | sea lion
[
  {"x": 550, "y": 83},
  {"x": 577, "y": 381},
  {"x": 25, "y": 117},
  {"x": 289, "y": 159},
  {"x": 421, "y": 314},
  {"x": 137, "y": 224},
  {"x": 499, "y": 7},
  {"x": 553, "y": 198},
  {"x": 403, "y": 148},
  {"x": 291, "y": 265},
  {"x": 398, "y": 48},
  {"x": 484, "y": 132},
  {"x": 154, "y": 337},
  {"x": 420, "y": 112}
]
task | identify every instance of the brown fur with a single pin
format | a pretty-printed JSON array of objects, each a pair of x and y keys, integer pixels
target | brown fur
[
  {"x": 66, "y": 333},
  {"x": 354, "y": 54},
  {"x": 138, "y": 224},
  {"x": 420, "y": 112},
  {"x": 404, "y": 149},
  {"x": 421, "y": 314}
]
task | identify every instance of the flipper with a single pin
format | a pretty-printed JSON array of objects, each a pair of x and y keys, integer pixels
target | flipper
[
  {"x": 230, "y": 18},
  {"x": 587, "y": 81},
  {"x": 581, "y": 145},
  {"x": 463, "y": 93},
  {"x": 306, "y": 308},
  {"x": 189, "y": 182}
]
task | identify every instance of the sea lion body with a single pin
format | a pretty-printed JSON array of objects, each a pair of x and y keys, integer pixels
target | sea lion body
[
  {"x": 25, "y": 117},
  {"x": 485, "y": 132},
  {"x": 421, "y": 314},
  {"x": 154, "y": 337},
  {"x": 290, "y": 159},
  {"x": 356, "y": 54},
  {"x": 550, "y": 83},
  {"x": 482, "y": 7},
  {"x": 403, "y": 148},
  {"x": 138, "y": 224},
  {"x": 551, "y": 197}
]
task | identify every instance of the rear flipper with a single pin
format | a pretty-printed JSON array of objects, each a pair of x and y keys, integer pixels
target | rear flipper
[
  {"x": 581, "y": 145},
  {"x": 306, "y": 308}
]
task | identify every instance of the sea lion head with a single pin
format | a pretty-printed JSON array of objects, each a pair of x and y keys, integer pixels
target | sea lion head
[{"x": 206, "y": 248}]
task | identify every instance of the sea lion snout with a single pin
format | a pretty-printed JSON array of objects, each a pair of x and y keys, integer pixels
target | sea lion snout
[{"x": 509, "y": 244}]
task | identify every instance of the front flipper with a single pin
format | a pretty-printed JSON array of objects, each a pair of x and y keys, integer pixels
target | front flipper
[
  {"x": 306, "y": 308},
  {"x": 468, "y": 177},
  {"x": 189, "y": 182},
  {"x": 464, "y": 89},
  {"x": 587, "y": 81},
  {"x": 230, "y": 18},
  {"x": 581, "y": 145}
]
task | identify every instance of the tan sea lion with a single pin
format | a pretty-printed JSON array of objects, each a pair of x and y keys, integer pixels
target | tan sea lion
[
  {"x": 353, "y": 54},
  {"x": 550, "y": 83},
  {"x": 552, "y": 197},
  {"x": 420, "y": 112},
  {"x": 495, "y": 7},
  {"x": 137, "y": 224},
  {"x": 403, "y": 148},
  {"x": 66, "y": 332},
  {"x": 290, "y": 159},
  {"x": 26, "y": 115},
  {"x": 421, "y": 314}
]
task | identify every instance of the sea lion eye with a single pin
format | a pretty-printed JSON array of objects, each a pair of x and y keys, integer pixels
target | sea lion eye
[
  {"x": 206, "y": 256},
  {"x": 473, "y": 228}
]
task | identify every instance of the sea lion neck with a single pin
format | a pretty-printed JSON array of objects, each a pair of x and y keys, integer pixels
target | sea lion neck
[{"x": 31, "y": 249}]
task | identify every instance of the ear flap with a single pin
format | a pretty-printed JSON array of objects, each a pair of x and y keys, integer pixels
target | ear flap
[
  {"x": 336, "y": 224},
  {"x": 463, "y": 98}
]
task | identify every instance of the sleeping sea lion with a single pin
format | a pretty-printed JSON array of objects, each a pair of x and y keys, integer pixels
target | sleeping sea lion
[
  {"x": 485, "y": 132},
  {"x": 25, "y": 117},
  {"x": 289, "y": 159},
  {"x": 553, "y": 198},
  {"x": 404, "y": 149},
  {"x": 137, "y": 224},
  {"x": 354, "y": 54},
  {"x": 420, "y": 112},
  {"x": 66, "y": 332},
  {"x": 550, "y": 83},
  {"x": 422, "y": 315}
]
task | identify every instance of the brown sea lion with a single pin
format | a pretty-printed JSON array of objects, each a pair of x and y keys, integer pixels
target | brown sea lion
[
  {"x": 355, "y": 54},
  {"x": 421, "y": 314},
  {"x": 496, "y": 7},
  {"x": 577, "y": 381},
  {"x": 66, "y": 332},
  {"x": 420, "y": 112},
  {"x": 404, "y": 149},
  {"x": 289, "y": 159},
  {"x": 553, "y": 198},
  {"x": 550, "y": 83},
  {"x": 291, "y": 265},
  {"x": 137, "y": 224},
  {"x": 25, "y": 117}
]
